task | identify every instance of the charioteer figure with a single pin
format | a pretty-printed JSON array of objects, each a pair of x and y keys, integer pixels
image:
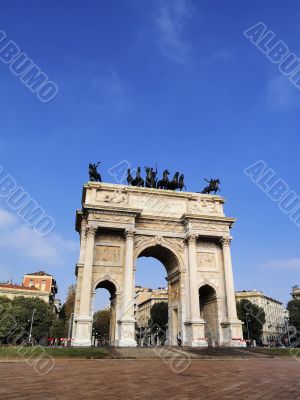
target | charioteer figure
[{"x": 93, "y": 173}]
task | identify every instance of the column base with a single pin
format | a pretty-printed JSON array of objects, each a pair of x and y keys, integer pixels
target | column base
[
  {"x": 232, "y": 333},
  {"x": 127, "y": 332},
  {"x": 83, "y": 331},
  {"x": 195, "y": 336}
]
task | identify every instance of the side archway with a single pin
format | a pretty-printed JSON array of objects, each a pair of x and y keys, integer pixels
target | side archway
[
  {"x": 209, "y": 313},
  {"x": 111, "y": 287}
]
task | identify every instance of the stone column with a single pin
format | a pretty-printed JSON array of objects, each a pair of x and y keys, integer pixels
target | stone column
[
  {"x": 84, "y": 318},
  {"x": 127, "y": 322},
  {"x": 195, "y": 322},
  {"x": 232, "y": 325},
  {"x": 230, "y": 295},
  {"x": 194, "y": 294}
]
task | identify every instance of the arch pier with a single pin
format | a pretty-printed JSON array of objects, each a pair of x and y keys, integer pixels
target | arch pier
[{"x": 188, "y": 232}]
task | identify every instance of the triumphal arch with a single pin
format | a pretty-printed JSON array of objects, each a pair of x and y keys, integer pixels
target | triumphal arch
[{"x": 188, "y": 232}]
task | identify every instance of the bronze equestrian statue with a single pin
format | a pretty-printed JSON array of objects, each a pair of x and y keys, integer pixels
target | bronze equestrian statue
[
  {"x": 151, "y": 177},
  {"x": 93, "y": 173},
  {"x": 138, "y": 180},
  {"x": 163, "y": 183},
  {"x": 173, "y": 184},
  {"x": 181, "y": 184},
  {"x": 129, "y": 177},
  {"x": 212, "y": 187}
]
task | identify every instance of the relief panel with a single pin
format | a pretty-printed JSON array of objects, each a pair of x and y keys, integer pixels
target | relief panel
[{"x": 108, "y": 255}]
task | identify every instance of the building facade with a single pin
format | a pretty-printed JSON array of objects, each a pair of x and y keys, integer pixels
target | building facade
[
  {"x": 295, "y": 292},
  {"x": 188, "y": 232},
  {"x": 144, "y": 299},
  {"x": 275, "y": 315},
  {"x": 11, "y": 291},
  {"x": 37, "y": 284}
]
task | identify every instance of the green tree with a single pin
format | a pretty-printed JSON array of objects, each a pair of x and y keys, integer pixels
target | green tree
[
  {"x": 16, "y": 318},
  {"x": 101, "y": 325},
  {"x": 256, "y": 319},
  {"x": 58, "y": 329},
  {"x": 61, "y": 325},
  {"x": 159, "y": 319},
  {"x": 294, "y": 313}
]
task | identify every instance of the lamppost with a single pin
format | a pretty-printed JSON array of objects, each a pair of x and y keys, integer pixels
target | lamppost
[
  {"x": 70, "y": 326},
  {"x": 247, "y": 323},
  {"x": 30, "y": 331},
  {"x": 286, "y": 320}
]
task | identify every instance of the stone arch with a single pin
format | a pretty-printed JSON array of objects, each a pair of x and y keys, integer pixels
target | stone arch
[
  {"x": 208, "y": 303},
  {"x": 209, "y": 283},
  {"x": 112, "y": 287},
  {"x": 173, "y": 264},
  {"x": 104, "y": 279},
  {"x": 165, "y": 253}
]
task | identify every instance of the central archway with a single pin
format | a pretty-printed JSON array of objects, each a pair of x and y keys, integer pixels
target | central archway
[{"x": 171, "y": 264}]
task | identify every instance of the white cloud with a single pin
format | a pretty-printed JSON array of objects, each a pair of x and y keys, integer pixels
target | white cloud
[
  {"x": 7, "y": 219},
  {"x": 290, "y": 263},
  {"x": 15, "y": 237},
  {"x": 281, "y": 94},
  {"x": 170, "y": 21}
]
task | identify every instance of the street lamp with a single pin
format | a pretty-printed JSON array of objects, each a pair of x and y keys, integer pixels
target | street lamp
[
  {"x": 70, "y": 325},
  {"x": 286, "y": 320},
  {"x": 247, "y": 323},
  {"x": 30, "y": 331}
]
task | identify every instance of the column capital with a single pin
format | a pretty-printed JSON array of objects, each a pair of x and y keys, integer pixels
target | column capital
[
  {"x": 129, "y": 233},
  {"x": 90, "y": 231},
  {"x": 191, "y": 238},
  {"x": 225, "y": 241}
]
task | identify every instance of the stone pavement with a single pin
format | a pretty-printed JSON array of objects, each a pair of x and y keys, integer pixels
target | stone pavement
[{"x": 254, "y": 378}]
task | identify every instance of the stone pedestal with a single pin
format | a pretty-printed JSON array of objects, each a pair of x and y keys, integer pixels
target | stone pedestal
[
  {"x": 127, "y": 332},
  {"x": 232, "y": 335},
  {"x": 83, "y": 331},
  {"x": 195, "y": 333}
]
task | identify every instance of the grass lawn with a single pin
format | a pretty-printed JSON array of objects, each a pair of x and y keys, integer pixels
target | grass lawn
[
  {"x": 7, "y": 353},
  {"x": 276, "y": 351}
]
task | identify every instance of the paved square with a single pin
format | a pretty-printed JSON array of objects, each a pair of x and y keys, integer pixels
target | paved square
[{"x": 268, "y": 379}]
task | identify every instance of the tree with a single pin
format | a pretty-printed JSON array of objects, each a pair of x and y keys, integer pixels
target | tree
[
  {"x": 101, "y": 325},
  {"x": 256, "y": 318},
  {"x": 58, "y": 329},
  {"x": 159, "y": 319},
  {"x": 70, "y": 302},
  {"x": 16, "y": 316},
  {"x": 61, "y": 325},
  {"x": 294, "y": 312}
]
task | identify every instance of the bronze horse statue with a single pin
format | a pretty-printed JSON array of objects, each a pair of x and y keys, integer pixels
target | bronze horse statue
[
  {"x": 181, "y": 184},
  {"x": 138, "y": 180},
  {"x": 93, "y": 173},
  {"x": 163, "y": 183},
  {"x": 212, "y": 187},
  {"x": 129, "y": 177},
  {"x": 173, "y": 184},
  {"x": 151, "y": 177}
]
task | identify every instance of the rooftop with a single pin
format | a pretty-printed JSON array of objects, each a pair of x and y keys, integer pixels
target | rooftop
[
  {"x": 15, "y": 286},
  {"x": 39, "y": 273},
  {"x": 255, "y": 292}
]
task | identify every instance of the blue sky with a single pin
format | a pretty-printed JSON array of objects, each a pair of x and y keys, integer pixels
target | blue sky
[{"x": 173, "y": 82}]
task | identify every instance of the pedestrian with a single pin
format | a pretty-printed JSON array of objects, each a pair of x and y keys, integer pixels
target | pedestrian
[{"x": 179, "y": 340}]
